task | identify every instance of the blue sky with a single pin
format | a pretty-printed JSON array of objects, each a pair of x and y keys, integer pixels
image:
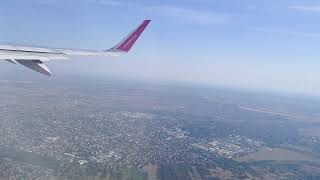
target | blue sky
[{"x": 254, "y": 44}]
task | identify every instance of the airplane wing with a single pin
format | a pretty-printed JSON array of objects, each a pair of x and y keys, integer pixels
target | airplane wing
[{"x": 34, "y": 57}]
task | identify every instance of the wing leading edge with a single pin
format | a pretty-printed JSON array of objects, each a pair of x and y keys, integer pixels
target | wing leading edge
[{"x": 34, "y": 57}]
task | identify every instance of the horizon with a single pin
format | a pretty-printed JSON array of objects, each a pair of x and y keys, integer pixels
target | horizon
[{"x": 113, "y": 79}]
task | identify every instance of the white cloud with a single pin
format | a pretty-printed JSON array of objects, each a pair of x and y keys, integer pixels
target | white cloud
[
  {"x": 306, "y": 8},
  {"x": 110, "y": 2},
  {"x": 252, "y": 7},
  {"x": 189, "y": 15},
  {"x": 185, "y": 15},
  {"x": 286, "y": 32}
]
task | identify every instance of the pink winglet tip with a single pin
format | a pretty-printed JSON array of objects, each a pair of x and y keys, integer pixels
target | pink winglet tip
[{"x": 132, "y": 38}]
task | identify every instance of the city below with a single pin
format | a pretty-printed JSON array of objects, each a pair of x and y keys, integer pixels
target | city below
[{"x": 140, "y": 130}]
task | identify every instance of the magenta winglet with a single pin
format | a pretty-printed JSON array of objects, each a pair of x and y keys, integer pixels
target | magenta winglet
[{"x": 127, "y": 43}]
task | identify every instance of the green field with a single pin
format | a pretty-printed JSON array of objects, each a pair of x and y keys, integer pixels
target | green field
[{"x": 277, "y": 154}]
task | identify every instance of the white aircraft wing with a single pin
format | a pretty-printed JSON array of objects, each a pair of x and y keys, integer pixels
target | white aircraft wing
[{"x": 34, "y": 57}]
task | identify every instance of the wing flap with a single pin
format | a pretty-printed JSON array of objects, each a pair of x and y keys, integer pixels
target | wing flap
[
  {"x": 11, "y": 61},
  {"x": 36, "y": 65}
]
